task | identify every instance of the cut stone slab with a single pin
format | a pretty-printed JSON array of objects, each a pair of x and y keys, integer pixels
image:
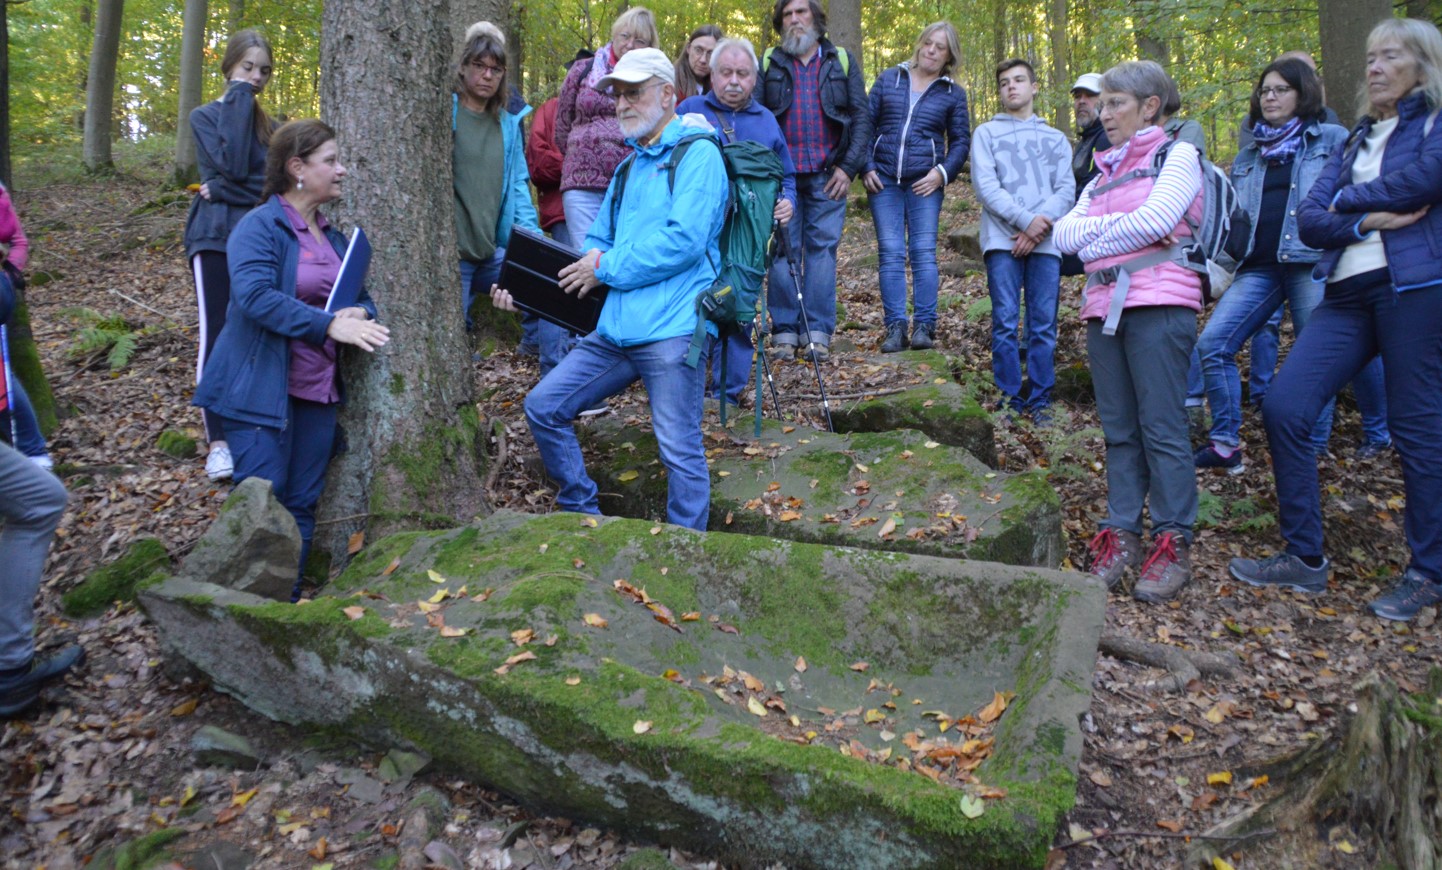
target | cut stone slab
[
  {"x": 253, "y": 546},
  {"x": 626, "y": 726},
  {"x": 820, "y": 487}
]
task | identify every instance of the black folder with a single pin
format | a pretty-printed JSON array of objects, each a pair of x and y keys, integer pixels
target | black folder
[{"x": 530, "y": 272}]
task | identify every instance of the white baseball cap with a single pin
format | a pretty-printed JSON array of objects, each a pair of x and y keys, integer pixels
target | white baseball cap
[
  {"x": 1085, "y": 82},
  {"x": 639, "y": 65}
]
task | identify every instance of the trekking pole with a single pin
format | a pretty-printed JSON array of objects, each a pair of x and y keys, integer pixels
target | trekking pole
[{"x": 785, "y": 246}]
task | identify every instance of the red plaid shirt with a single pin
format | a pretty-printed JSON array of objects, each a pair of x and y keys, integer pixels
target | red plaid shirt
[{"x": 810, "y": 136}]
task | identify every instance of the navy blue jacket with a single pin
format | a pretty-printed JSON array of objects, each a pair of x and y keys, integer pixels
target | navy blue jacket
[
  {"x": 910, "y": 142},
  {"x": 1411, "y": 177},
  {"x": 843, "y": 101},
  {"x": 751, "y": 123},
  {"x": 232, "y": 166},
  {"x": 247, "y": 377}
]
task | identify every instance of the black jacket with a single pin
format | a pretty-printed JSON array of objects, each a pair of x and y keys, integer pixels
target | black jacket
[
  {"x": 232, "y": 165},
  {"x": 843, "y": 101},
  {"x": 937, "y": 131},
  {"x": 1083, "y": 164}
]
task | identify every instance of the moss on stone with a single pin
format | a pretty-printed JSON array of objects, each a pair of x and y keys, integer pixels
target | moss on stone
[
  {"x": 426, "y": 459},
  {"x": 118, "y": 580},
  {"x": 646, "y": 859},
  {"x": 176, "y": 444},
  {"x": 143, "y": 852}
]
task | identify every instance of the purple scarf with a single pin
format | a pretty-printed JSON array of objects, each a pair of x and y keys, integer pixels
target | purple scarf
[{"x": 1278, "y": 144}]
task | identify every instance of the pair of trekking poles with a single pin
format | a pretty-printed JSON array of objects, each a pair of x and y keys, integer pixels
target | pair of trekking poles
[{"x": 781, "y": 246}]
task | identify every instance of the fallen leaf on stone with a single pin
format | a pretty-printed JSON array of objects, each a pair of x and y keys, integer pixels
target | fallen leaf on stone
[
  {"x": 887, "y": 527},
  {"x": 578, "y": 563},
  {"x": 452, "y": 631},
  {"x": 594, "y": 620},
  {"x": 427, "y": 607},
  {"x": 873, "y": 716},
  {"x": 859, "y": 666},
  {"x": 353, "y": 612},
  {"x": 515, "y": 660},
  {"x": 436, "y": 619},
  {"x": 1345, "y": 846},
  {"x": 931, "y": 445},
  {"x": 755, "y": 706},
  {"x": 318, "y": 851},
  {"x": 1222, "y": 778},
  {"x": 1215, "y": 715},
  {"x": 573, "y": 681},
  {"x": 991, "y": 712},
  {"x": 391, "y": 568},
  {"x": 655, "y": 530},
  {"x": 1220, "y": 863},
  {"x": 789, "y": 516},
  {"x": 441, "y": 595},
  {"x": 243, "y": 798},
  {"x": 727, "y": 629},
  {"x": 628, "y": 476},
  {"x": 1183, "y": 733},
  {"x": 971, "y": 806},
  {"x": 355, "y": 542},
  {"x": 862, "y": 468},
  {"x": 691, "y": 616},
  {"x": 482, "y": 596},
  {"x": 752, "y": 683},
  {"x": 1170, "y": 825},
  {"x": 523, "y": 636},
  {"x": 590, "y": 521},
  {"x": 435, "y": 577},
  {"x": 1101, "y": 778},
  {"x": 184, "y": 708},
  {"x": 671, "y": 674},
  {"x": 1256, "y": 782},
  {"x": 551, "y": 640},
  {"x": 641, "y": 726},
  {"x": 800, "y": 665}
]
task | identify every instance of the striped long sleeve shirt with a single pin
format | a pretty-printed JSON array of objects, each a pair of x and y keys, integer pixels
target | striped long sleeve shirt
[{"x": 1094, "y": 237}]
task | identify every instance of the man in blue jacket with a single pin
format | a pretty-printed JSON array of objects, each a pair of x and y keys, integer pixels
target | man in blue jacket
[
  {"x": 657, "y": 248},
  {"x": 816, "y": 92},
  {"x": 731, "y": 111}
]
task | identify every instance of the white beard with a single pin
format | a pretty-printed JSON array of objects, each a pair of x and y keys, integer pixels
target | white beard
[{"x": 800, "y": 44}]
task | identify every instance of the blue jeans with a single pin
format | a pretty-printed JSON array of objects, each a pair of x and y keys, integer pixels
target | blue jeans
[
  {"x": 32, "y": 501},
  {"x": 581, "y": 207},
  {"x": 28, "y": 438},
  {"x": 1264, "y": 364},
  {"x": 1006, "y": 275},
  {"x": 596, "y": 370},
  {"x": 1140, "y": 377},
  {"x": 813, "y": 234},
  {"x": 1254, "y": 298},
  {"x": 1358, "y": 318},
  {"x": 906, "y": 229},
  {"x": 476, "y": 280},
  {"x": 294, "y": 458}
]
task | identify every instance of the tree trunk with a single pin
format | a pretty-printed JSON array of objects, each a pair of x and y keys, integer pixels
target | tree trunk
[
  {"x": 416, "y": 446},
  {"x": 235, "y": 14},
  {"x": 100, "y": 86},
  {"x": 1380, "y": 772},
  {"x": 192, "y": 45},
  {"x": 464, "y": 13},
  {"x": 5, "y": 175},
  {"x": 1344, "y": 25},
  {"x": 1060, "y": 64},
  {"x": 25, "y": 362},
  {"x": 843, "y": 25}
]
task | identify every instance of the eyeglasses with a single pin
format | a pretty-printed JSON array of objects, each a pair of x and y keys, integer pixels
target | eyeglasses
[
  {"x": 631, "y": 95},
  {"x": 1278, "y": 91},
  {"x": 1115, "y": 104},
  {"x": 488, "y": 71},
  {"x": 634, "y": 40}
]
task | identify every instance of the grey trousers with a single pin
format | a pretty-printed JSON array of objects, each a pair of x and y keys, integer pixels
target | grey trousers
[
  {"x": 32, "y": 501},
  {"x": 1140, "y": 379}
]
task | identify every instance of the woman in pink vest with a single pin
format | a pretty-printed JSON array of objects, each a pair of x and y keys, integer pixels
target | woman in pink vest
[{"x": 1141, "y": 309}]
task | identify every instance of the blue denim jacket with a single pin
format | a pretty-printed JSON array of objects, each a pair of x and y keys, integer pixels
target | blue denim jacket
[{"x": 1249, "y": 170}]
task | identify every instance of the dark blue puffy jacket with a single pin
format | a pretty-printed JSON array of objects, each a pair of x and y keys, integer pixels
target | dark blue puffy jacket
[
  {"x": 1411, "y": 178},
  {"x": 910, "y": 142}
]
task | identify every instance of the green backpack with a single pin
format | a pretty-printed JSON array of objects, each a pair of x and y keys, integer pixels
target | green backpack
[{"x": 753, "y": 175}]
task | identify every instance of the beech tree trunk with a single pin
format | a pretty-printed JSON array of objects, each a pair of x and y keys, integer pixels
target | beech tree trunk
[
  {"x": 1058, "y": 93},
  {"x": 1344, "y": 25},
  {"x": 416, "y": 449},
  {"x": 100, "y": 86},
  {"x": 1379, "y": 772},
  {"x": 843, "y": 25},
  {"x": 192, "y": 45}
]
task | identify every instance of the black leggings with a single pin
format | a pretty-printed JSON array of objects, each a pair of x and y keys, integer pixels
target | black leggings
[{"x": 212, "y": 296}]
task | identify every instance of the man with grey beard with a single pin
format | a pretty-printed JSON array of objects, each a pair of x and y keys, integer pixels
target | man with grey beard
[
  {"x": 655, "y": 244},
  {"x": 816, "y": 91}
]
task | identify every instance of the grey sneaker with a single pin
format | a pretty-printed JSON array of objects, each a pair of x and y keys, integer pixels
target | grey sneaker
[
  {"x": 781, "y": 351},
  {"x": 20, "y": 691},
  {"x": 1283, "y": 570},
  {"x": 1113, "y": 552},
  {"x": 895, "y": 340},
  {"x": 1165, "y": 571},
  {"x": 921, "y": 336},
  {"x": 1412, "y": 593},
  {"x": 818, "y": 353}
]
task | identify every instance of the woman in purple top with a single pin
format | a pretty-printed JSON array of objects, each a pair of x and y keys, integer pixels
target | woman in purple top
[
  {"x": 587, "y": 134},
  {"x": 272, "y": 378}
]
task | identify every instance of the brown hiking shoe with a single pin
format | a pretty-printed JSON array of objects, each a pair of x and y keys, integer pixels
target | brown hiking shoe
[
  {"x": 1112, "y": 552},
  {"x": 1165, "y": 571}
]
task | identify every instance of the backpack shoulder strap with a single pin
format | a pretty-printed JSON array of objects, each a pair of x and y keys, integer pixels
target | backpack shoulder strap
[
  {"x": 766, "y": 60},
  {"x": 455, "y": 109},
  {"x": 845, "y": 59},
  {"x": 618, "y": 180}
]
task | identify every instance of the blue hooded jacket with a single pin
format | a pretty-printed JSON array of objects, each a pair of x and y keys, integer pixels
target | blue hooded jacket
[
  {"x": 247, "y": 377},
  {"x": 751, "y": 123},
  {"x": 664, "y": 247},
  {"x": 516, "y": 205},
  {"x": 1411, "y": 178}
]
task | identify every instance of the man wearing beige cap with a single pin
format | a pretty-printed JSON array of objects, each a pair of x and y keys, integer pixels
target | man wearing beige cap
[{"x": 655, "y": 245}]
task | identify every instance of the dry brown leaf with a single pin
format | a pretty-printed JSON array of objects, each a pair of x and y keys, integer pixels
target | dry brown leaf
[
  {"x": 355, "y": 611},
  {"x": 355, "y": 542}
]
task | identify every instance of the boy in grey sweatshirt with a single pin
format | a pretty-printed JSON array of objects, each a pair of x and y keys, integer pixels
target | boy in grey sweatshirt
[{"x": 1021, "y": 171}]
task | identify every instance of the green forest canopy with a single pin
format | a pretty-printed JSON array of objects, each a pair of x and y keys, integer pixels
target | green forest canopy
[{"x": 1214, "y": 47}]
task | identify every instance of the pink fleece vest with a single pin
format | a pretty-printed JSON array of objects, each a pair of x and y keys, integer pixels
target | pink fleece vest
[{"x": 1163, "y": 284}]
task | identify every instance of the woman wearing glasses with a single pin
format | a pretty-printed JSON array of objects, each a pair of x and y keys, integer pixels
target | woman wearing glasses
[
  {"x": 1273, "y": 175},
  {"x": 586, "y": 130}
]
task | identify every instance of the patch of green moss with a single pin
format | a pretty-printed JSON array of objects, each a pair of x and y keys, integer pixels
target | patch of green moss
[
  {"x": 398, "y": 384},
  {"x": 425, "y": 460},
  {"x": 368, "y": 564},
  {"x": 138, "y": 854},
  {"x": 646, "y": 859},
  {"x": 320, "y": 625},
  {"x": 176, "y": 444},
  {"x": 118, "y": 580}
]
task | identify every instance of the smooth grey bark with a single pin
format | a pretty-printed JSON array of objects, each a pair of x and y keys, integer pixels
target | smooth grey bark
[
  {"x": 192, "y": 44},
  {"x": 415, "y": 454},
  {"x": 1344, "y": 25},
  {"x": 843, "y": 23},
  {"x": 100, "y": 86}
]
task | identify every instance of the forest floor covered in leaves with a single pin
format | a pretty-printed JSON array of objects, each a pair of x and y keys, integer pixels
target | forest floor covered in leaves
[{"x": 106, "y": 758}]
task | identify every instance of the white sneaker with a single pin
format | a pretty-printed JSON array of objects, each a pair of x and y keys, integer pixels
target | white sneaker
[
  {"x": 44, "y": 461},
  {"x": 219, "y": 465}
]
